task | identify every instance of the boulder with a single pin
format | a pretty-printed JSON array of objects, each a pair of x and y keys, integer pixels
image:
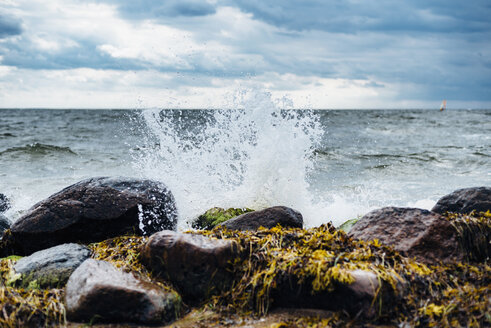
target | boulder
[
  {"x": 465, "y": 201},
  {"x": 98, "y": 291},
  {"x": 94, "y": 210},
  {"x": 4, "y": 223},
  {"x": 413, "y": 232},
  {"x": 267, "y": 218},
  {"x": 356, "y": 298},
  {"x": 196, "y": 264},
  {"x": 50, "y": 268}
]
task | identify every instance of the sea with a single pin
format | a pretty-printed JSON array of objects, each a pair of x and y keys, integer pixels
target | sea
[{"x": 331, "y": 165}]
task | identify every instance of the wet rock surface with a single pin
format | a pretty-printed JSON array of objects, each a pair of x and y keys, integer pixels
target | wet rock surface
[
  {"x": 4, "y": 223},
  {"x": 4, "y": 203},
  {"x": 267, "y": 218},
  {"x": 196, "y": 264},
  {"x": 50, "y": 268},
  {"x": 465, "y": 201},
  {"x": 93, "y": 210},
  {"x": 414, "y": 232},
  {"x": 98, "y": 291}
]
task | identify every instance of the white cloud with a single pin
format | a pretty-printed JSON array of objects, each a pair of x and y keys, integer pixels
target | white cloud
[{"x": 90, "y": 54}]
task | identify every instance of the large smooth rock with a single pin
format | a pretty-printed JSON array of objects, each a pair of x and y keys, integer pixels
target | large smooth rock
[
  {"x": 465, "y": 201},
  {"x": 267, "y": 218},
  {"x": 50, "y": 268},
  {"x": 196, "y": 264},
  {"x": 97, "y": 290},
  {"x": 93, "y": 210},
  {"x": 4, "y": 203},
  {"x": 4, "y": 223},
  {"x": 413, "y": 232}
]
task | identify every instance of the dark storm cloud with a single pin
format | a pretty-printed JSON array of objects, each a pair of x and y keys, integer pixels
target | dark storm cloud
[
  {"x": 162, "y": 9},
  {"x": 9, "y": 26},
  {"x": 383, "y": 15}
]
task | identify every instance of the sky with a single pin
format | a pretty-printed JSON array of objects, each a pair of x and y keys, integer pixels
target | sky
[{"x": 201, "y": 54}]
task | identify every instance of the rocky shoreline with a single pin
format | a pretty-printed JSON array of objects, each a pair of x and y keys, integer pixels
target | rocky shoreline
[{"x": 105, "y": 251}]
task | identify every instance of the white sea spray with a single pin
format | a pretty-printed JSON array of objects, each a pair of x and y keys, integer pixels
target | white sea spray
[{"x": 255, "y": 155}]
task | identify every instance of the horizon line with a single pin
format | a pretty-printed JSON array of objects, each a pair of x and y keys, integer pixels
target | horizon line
[{"x": 204, "y": 108}]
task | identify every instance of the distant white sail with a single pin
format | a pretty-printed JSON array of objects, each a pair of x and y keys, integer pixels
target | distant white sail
[{"x": 443, "y": 106}]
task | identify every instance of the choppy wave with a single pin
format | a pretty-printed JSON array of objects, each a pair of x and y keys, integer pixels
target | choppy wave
[{"x": 37, "y": 149}]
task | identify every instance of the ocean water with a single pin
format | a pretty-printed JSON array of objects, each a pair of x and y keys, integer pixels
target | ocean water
[{"x": 331, "y": 165}]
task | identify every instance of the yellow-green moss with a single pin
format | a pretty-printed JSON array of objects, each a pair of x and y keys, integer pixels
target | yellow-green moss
[
  {"x": 451, "y": 295},
  {"x": 27, "y": 307},
  {"x": 346, "y": 226},
  {"x": 217, "y": 215}
]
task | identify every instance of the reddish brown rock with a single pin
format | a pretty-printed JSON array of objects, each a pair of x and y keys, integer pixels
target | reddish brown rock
[
  {"x": 414, "y": 232},
  {"x": 93, "y": 210},
  {"x": 98, "y": 291},
  {"x": 356, "y": 298},
  {"x": 196, "y": 264},
  {"x": 267, "y": 218},
  {"x": 465, "y": 201}
]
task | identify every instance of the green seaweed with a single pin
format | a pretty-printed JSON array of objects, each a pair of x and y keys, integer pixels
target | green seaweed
[
  {"x": 21, "y": 307},
  {"x": 346, "y": 226}
]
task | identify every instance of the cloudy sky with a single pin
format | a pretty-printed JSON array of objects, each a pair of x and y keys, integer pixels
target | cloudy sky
[{"x": 198, "y": 54}]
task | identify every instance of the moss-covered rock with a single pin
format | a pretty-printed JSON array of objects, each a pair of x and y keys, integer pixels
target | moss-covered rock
[
  {"x": 50, "y": 268},
  {"x": 267, "y": 218},
  {"x": 318, "y": 261},
  {"x": 216, "y": 216},
  {"x": 291, "y": 267},
  {"x": 199, "y": 266},
  {"x": 414, "y": 232}
]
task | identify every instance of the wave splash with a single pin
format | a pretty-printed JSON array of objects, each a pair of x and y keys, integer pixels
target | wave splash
[{"x": 255, "y": 155}]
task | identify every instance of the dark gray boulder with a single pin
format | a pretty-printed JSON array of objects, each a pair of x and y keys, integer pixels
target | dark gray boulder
[
  {"x": 98, "y": 291},
  {"x": 50, "y": 268},
  {"x": 267, "y": 218},
  {"x": 4, "y": 223},
  {"x": 195, "y": 264},
  {"x": 4, "y": 203},
  {"x": 465, "y": 201},
  {"x": 413, "y": 232},
  {"x": 94, "y": 210}
]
